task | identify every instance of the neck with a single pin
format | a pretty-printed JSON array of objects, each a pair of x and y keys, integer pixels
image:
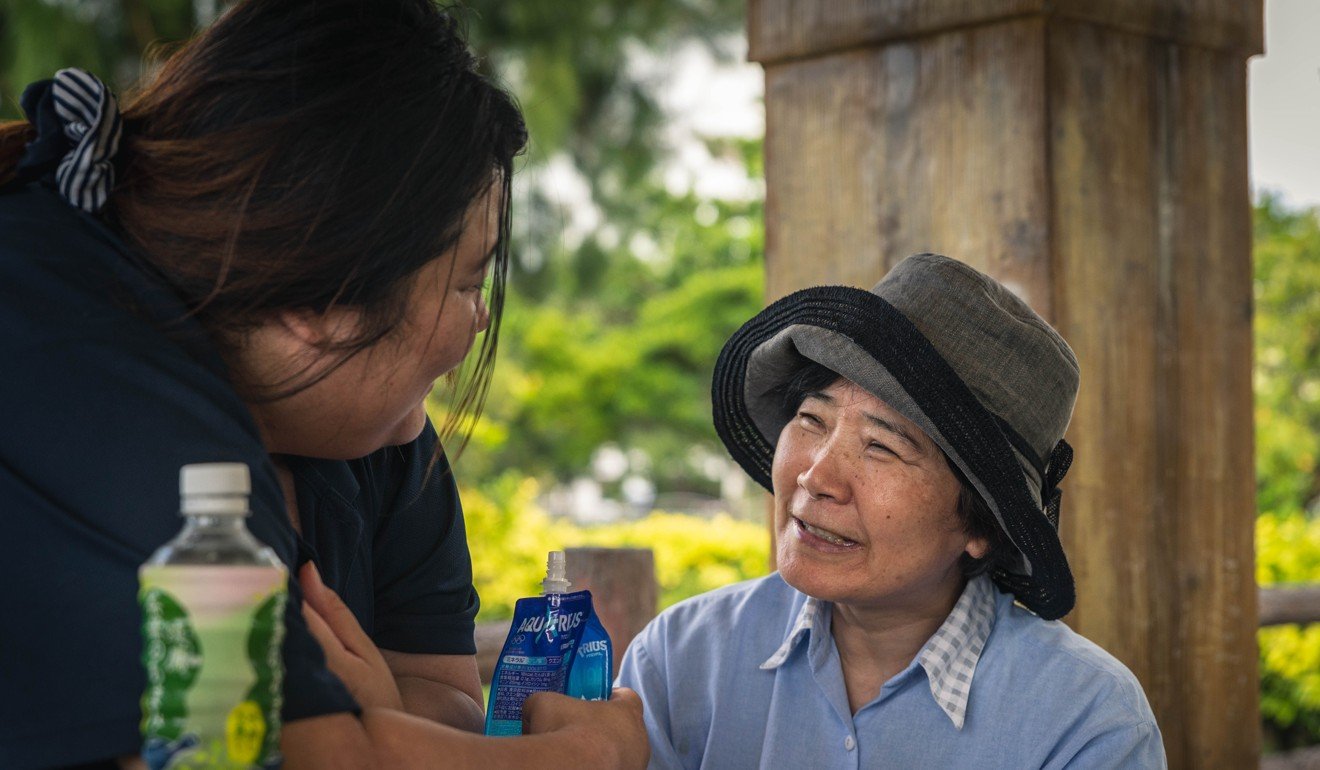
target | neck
[{"x": 876, "y": 642}]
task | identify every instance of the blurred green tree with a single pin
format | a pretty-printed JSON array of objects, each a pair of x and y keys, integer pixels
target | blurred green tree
[
  {"x": 1287, "y": 377},
  {"x": 1287, "y": 387}
]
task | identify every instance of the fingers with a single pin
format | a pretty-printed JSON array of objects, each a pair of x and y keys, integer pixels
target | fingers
[
  {"x": 330, "y": 643},
  {"x": 332, "y": 611},
  {"x": 614, "y": 729},
  {"x": 540, "y": 707}
]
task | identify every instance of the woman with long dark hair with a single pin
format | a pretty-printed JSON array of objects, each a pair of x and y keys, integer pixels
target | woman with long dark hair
[{"x": 269, "y": 256}]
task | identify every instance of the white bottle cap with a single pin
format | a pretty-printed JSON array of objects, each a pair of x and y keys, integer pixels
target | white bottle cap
[
  {"x": 215, "y": 488},
  {"x": 556, "y": 579}
]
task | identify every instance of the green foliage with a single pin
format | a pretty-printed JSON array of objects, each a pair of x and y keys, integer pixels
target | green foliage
[
  {"x": 571, "y": 67},
  {"x": 1287, "y": 380},
  {"x": 510, "y": 535},
  {"x": 569, "y": 381},
  {"x": 1288, "y": 551},
  {"x": 39, "y": 37},
  {"x": 692, "y": 555},
  {"x": 1287, "y": 388}
]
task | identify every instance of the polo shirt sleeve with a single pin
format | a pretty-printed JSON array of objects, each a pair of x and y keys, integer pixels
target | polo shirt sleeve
[
  {"x": 1135, "y": 747},
  {"x": 424, "y": 598}
]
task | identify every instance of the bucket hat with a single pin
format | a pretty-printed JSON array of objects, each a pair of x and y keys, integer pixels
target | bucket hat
[{"x": 955, "y": 352}]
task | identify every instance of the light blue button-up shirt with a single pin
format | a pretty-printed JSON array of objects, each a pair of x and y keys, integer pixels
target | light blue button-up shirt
[{"x": 748, "y": 676}]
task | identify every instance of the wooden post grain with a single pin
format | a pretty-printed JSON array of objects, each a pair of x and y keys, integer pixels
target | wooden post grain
[
  {"x": 623, "y": 589},
  {"x": 1093, "y": 157}
]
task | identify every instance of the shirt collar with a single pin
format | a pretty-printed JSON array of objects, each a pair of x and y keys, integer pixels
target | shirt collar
[
  {"x": 951, "y": 654},
  {"x": 806, "y": 618},
  {"x": 949, "y": 657},
  {"x": 325, "y": 478}
]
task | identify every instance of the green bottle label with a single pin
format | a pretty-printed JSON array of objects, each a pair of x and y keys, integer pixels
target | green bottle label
[{"x": 211, "y": 648}]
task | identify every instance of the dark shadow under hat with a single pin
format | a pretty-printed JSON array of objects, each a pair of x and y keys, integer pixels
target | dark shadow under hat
[{"x": 988, "y": 380}]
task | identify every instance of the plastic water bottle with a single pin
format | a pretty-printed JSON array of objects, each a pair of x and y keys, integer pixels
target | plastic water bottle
[{"x": 212, "y": 604}]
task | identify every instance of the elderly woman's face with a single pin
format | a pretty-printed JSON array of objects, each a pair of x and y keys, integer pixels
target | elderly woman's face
[{"x": 865, "y": 505}]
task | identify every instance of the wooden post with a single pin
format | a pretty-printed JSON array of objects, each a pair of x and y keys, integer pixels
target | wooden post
[
  {"x": 623, "y": 589},
  {"x": 1092, "y": 156}
]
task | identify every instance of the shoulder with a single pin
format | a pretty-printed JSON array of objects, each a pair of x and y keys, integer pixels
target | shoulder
[
  {"x": 84, "y": 318},
  {"x": 42, "y": 233},
  {"x": 34, "y": 208},
  {"x": 1048, "y": 656},
  {"x": 106, "y": 393},
  {"x": 735, "y": 619},
  {"x": 1084, "y": 706}
]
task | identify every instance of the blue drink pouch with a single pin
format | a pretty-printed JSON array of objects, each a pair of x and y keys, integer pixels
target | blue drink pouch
[
  {"x": 591, "y": 677},
  {"x": 555, "y": 643}
]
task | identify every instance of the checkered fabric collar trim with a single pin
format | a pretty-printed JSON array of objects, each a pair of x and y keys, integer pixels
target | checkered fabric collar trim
[
  {"x": 949, "y": 657},
  {"x": 805, "y": 619}
]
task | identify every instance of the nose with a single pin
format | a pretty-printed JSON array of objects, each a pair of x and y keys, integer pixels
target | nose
[
  {"x": 483, "y": 314},
  {"x": 827, "y": 477}
]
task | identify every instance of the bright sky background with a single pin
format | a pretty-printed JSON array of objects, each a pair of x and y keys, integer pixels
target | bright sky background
[{"x": 1284, "y": 92}]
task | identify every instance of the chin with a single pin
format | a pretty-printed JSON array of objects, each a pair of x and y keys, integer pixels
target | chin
[
  {"x": 408, "y": 429},
  {"x": 824, "y": 590},
  {"x": 811, "y": 580}
]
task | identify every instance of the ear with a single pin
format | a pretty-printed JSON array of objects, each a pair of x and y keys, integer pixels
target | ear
[
  {"x": 320, "y": 329},
  {"x": 977, "y": 547}
]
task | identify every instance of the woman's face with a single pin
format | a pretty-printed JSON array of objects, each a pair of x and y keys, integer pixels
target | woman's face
[
  {"x": 377, "y": 397},
  {"x": 865, "y": 505}
]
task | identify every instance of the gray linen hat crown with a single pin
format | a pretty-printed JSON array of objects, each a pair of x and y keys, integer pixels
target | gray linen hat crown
[{"x": 946, "y": 346}]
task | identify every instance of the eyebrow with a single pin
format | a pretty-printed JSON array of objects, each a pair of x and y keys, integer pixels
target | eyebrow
[
  {"x": 888, "y": 426},
  {"x": 897, "y": 430}
]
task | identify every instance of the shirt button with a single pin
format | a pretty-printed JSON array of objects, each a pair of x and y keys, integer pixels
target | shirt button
[{"x": 849, "y": 743}]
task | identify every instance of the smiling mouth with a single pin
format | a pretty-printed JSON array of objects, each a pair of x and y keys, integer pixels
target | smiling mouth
[{"x": 824, "y": 534}]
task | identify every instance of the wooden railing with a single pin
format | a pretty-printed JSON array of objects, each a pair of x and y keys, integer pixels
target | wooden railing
[{"x": 1290, "y": 605}]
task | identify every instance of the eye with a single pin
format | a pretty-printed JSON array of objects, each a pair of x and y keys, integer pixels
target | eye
[
  {"x": 810, "y": 420},
  {"x": 881, "y": 447}
]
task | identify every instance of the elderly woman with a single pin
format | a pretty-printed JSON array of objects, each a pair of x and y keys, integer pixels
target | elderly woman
[{"x": 912, "y": 437}]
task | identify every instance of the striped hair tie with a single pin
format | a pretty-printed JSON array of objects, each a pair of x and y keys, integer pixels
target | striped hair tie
[{"x": 90, "y": 118}]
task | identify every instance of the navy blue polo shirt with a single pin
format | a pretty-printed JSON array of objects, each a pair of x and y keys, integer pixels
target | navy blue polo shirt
[{"x": 105, "y": 393}]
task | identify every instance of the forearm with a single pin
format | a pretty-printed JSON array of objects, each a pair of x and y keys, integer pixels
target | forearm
[
  {"x": 441, "y": 703},
  {"x": 405, "y": 741},
  {"x": 383, "y": 738}
]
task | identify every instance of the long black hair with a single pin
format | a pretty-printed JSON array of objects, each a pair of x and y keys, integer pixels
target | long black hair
[{"x": 309, "y": 154}]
